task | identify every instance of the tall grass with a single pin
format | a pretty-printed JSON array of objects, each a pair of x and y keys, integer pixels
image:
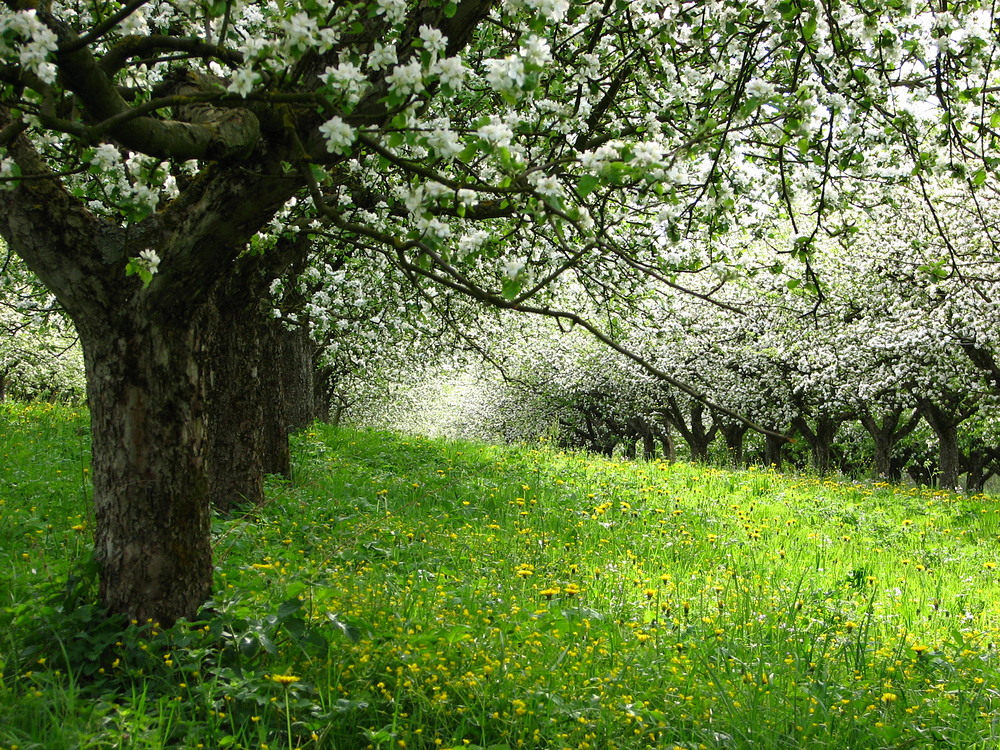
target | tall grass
[{"x": 407, "y": 593}]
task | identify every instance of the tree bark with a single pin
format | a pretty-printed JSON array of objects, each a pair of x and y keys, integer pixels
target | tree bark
[
  {"x": 772, "y": 450},
  {"x": 820, "y": 440},
  {"x": 298, "y": 369},
  {"x": 152, "y": 512},
  {"x": 886, "y": 434},
  {"x": 235, "y": 398},
  {"x": 144, "y": 348},
  {"x": 945, "y": 423},
  {"x": 691, "y": 426},
  {"x": 733, "y": 433}
]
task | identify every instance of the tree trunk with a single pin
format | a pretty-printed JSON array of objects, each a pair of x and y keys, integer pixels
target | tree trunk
[
  {"x": 945, "y": 424},
  {"x": 322, "y": 397},
  {"x": 772, "y": 450},
  {"x": 975, "y": 471},
  {"x": 692, "y": 428},
  {"x": 734, "y": 434},
  {"x": 820, "y": 440},
  {"x": 147, "y": 399},
  {"x": 667, "y": 445},
  {"x": 297, "y": 365},
  {"x": 886, "y": 434},
  {"x": 235, "y": 398}
]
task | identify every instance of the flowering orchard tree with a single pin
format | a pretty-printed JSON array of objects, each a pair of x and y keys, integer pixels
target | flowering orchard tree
[{"x": 157, "y": 151}]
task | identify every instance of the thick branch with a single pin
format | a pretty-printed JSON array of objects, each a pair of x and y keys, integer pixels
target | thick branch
[{"x": 216, "y": 133}]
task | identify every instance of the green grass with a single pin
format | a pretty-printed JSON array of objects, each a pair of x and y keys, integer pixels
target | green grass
[{"x": 423, "y": 594}]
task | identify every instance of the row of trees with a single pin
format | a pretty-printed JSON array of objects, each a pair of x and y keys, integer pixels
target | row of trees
[
  {"x": 166, "y": 162},
  {"x": 878, "y": 357}
]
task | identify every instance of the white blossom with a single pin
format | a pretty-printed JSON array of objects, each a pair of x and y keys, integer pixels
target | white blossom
[
  {"x": 536, "y": 51},
  {"x": 244, "y": 79},
  {"x": 150, "y": 260},
  {"x": 434, "y": 41},
  {"x": 406, "y": 79},
  {"x": 346, "y": 78},
  {"x": 506, "y": 75},
  {"x": 547, "y": 185},
  {"x": 394, "y": 10},
  {"x": 382, "y": 56},
  {"x": 446, "y": 142},
  {"x": 301, "y": 30},
  {"x": 106, "y": 156},
  {"x": 513, "y": 267},
  {"x": 338, "y": 134},
  {"x": 496, "y": 133},
  {"x": 759, "y": 89},
  {"x": 451, "y": 71}
]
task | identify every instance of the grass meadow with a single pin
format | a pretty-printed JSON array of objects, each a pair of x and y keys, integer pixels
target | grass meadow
[{"x": 408, "y": 593}]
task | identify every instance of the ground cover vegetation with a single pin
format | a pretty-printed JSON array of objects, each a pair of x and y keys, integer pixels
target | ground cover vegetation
[
  {"x": 413, "y": 593},
  {"x": 168, "y": 161}
]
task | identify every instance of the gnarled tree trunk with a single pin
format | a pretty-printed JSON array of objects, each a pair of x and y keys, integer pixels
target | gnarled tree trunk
[{"x": 147, "y": 396}]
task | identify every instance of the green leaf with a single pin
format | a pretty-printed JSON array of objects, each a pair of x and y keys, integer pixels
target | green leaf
[
  {"x": 295, "y": 588},
  {"x": 450, "y": 10},
  {"x": 289, "y": 607},
  {"x": 809, "y": 27},
  {"x": 352, "y": 633},
  {"x": 979, "y": 177},
  {"x": 511, "y": 288},
  {"x": 586, "y": 185}
]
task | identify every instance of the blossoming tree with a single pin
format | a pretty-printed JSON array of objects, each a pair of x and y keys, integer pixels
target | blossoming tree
[{"x": 163, "y": 158}]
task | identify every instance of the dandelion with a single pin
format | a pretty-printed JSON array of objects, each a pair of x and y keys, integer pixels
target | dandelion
[{"x": 284, "y": 679}]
